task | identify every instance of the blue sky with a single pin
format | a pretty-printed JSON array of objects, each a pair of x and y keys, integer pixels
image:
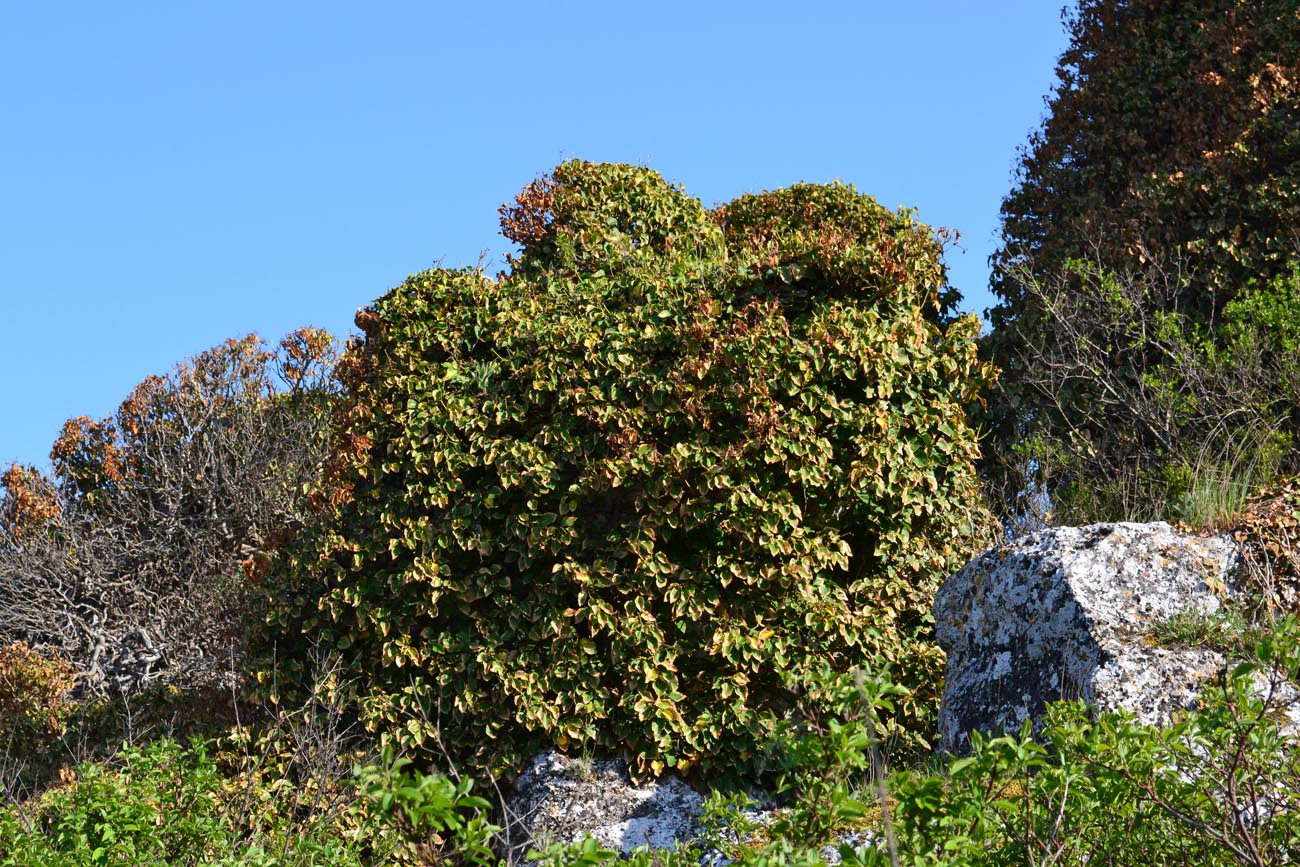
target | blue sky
[{"x": 173, "y": 174}]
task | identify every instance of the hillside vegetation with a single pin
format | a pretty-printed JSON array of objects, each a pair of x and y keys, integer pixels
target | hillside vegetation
[
  {"x": 679, "y": 485},
  {"x": 1146, "y": 329}
]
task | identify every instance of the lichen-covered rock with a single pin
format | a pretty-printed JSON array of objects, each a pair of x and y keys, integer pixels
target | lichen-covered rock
[
  {"x": 1065, "y": 613},
  {"x": 561, "y": 799}
]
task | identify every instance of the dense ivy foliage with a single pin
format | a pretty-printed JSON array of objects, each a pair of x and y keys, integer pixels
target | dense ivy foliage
[{"x": 632, "y": 493}]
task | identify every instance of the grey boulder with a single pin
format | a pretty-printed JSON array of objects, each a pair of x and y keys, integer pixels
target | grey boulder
[
  {"x": 1066, "y": 613},
  {"x": 562, "y": 800}
]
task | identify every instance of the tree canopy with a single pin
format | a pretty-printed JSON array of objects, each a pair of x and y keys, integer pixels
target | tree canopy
[
  {"x": 1145, "y": 272},
  {"x": 1173, "y": 138},
  {"x": 138, "y": 559}
]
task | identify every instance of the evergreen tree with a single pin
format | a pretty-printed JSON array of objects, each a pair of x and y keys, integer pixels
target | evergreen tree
[{"x": 1162, "y": 189}]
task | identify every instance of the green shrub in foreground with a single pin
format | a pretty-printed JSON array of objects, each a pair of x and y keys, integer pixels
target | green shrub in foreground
[
  {"x": 1221, "y": 786},
  {"x": 432, "y": 818},
  {"x": 169, "y": 804},
  {"x": 160, "y": 804},
  {"x": 631, "y": 494}
]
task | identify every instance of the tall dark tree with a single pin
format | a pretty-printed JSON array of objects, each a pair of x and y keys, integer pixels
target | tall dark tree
[
  {"x": 1169, "y": 165},
  {"x": 1173, "y": 136}
]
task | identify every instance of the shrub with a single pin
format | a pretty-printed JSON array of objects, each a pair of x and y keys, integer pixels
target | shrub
[
  {"x": 1133, "y": 385},
  {"x": 162, "y": 804},
  {"x": 1123, "y": 407},
  {"x": 1268, "y": 534},
  {"x": 30, "y": 504},
  {"x": 1220, "y": 786},
  {"x": 630, "y": 494},
  {"x": 35, "y": 690},
  {"x": 137, "y": 559},
  {"x": 434, "y": 819},
  {"x": 36, "y": 708}
]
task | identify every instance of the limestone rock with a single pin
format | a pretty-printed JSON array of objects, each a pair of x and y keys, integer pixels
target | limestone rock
[
  {"x": 559, "y": 800},
  {"x": 1064, "y": 613}
]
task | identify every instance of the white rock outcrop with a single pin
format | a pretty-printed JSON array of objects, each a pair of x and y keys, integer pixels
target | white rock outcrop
[
  {"x": 1066, "y": 613},
  {"x": 560, "y": 800}
]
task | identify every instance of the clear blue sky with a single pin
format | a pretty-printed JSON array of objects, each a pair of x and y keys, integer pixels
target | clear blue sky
[{"x": 174, "y": 174}]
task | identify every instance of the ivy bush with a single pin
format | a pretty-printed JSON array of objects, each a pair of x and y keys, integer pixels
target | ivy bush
[{"x": 634, "y": 492}]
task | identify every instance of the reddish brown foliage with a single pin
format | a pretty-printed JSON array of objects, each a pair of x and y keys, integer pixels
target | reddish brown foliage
[
  {"x": 30, "y": 502},
  {"x": 1170, "y": 139},
  {"x": 154, "y": 510},
  {"x": 1269, "y": 534},
  {"x": 307, "y": 358},
  {"x": 528, "y": 220},
  {"x": 34, "y": 688}
]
